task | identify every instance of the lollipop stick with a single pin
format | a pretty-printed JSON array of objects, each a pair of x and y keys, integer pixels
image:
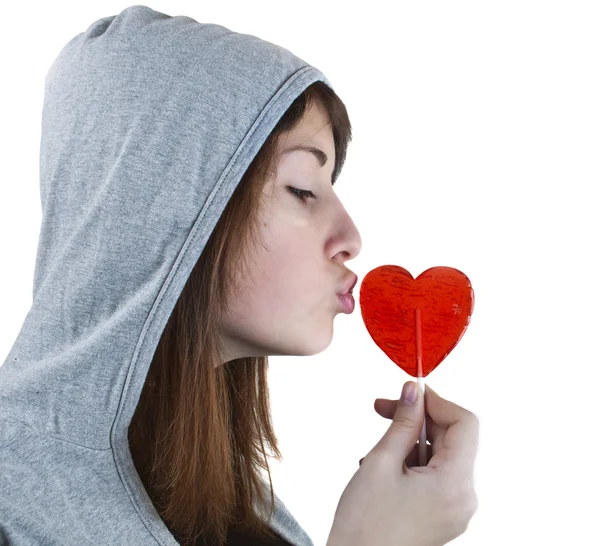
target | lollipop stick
[{"x": 421, "y": 383}]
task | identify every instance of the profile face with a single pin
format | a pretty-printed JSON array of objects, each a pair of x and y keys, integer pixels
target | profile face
[{"x": 288, "y": 301}]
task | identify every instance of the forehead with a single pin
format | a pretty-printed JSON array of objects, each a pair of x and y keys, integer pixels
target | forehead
[{"x": 313, "y": 130}]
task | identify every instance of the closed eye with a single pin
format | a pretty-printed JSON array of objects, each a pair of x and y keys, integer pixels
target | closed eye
[{"x": 303, "y": 195}]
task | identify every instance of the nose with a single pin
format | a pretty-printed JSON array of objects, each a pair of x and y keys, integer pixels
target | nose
[{"x": 349, "y": 240}]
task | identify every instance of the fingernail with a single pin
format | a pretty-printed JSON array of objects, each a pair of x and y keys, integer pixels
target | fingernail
[{"x": 409, "y": 393}]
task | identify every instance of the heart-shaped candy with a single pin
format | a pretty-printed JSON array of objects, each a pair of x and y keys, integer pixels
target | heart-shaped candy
[{"x": 416, "y": 322}]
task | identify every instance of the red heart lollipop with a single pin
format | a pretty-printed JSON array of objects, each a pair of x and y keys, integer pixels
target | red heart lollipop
[{"x": 416, "y": 322}]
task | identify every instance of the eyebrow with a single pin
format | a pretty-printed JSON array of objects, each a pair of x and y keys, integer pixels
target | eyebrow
[{"x": 319, "y": 154}]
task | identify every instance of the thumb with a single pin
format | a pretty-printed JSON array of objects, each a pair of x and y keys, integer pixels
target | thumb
[{"x": 405, "y": 428}]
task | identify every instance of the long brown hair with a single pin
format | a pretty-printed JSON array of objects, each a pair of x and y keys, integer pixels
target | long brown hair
[{"x": 199, "y": 431}]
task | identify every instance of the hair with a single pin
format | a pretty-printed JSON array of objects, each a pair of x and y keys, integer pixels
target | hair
[{"x": 199, "y": 431}]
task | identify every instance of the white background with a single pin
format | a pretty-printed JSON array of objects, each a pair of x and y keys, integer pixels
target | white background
[{"x": 476, "y": 146}]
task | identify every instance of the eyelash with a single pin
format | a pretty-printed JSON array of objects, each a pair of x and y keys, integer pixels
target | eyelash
[{"x": 303, "y": 195}]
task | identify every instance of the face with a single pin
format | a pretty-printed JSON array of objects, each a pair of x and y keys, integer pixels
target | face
[{"x": 287, "y": 303}]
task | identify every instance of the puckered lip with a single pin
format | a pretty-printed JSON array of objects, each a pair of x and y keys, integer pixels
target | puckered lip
[{"x": 349, "y": 284}]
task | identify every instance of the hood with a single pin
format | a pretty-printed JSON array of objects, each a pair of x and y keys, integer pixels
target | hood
[{"x": 149, "y": 122}]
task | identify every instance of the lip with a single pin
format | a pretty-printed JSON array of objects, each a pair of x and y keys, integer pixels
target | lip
[
  {"x": 349, "y": 284},
  {"x": 347, "y": 301}
]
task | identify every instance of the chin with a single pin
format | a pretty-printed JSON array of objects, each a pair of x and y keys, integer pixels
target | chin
[
  {"x": 325, "y": 343},
  {"x": 309, "y": 341},
  {"x": 308, "y": 349}
]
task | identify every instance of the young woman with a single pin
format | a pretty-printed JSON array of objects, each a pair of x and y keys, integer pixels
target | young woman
[{"x": 190, "y": 229}]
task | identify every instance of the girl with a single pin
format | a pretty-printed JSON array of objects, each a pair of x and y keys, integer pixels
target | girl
[{"x": 190, "y": 229}]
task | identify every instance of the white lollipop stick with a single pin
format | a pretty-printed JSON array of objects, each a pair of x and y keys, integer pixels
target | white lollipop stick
[{"x": 421, "y": 383}]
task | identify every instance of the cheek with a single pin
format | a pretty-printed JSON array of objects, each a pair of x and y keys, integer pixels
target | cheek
[
  {"x": 283, "y": 309},
  {"x": 290, "y": 265},
  {"x": 285, "y": 270},
  {"x": 286, "y": 280}
]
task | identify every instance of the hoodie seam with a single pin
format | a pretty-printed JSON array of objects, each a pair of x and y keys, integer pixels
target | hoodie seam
[{"x": 238, "y": 156}]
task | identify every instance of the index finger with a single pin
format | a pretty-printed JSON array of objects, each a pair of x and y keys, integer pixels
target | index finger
[{"x": 460, "y": 442}]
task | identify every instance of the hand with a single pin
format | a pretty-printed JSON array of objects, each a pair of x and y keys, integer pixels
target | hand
[
  {"x": 392, "y": 501},
  {"x": 387, "y": 408}
]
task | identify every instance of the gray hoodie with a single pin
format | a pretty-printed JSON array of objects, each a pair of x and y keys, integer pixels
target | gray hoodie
[{"x": 149, "y": 122}]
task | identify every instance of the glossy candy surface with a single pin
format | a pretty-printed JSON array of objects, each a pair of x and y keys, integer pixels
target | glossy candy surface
[{"x": 399, "y": 310}]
